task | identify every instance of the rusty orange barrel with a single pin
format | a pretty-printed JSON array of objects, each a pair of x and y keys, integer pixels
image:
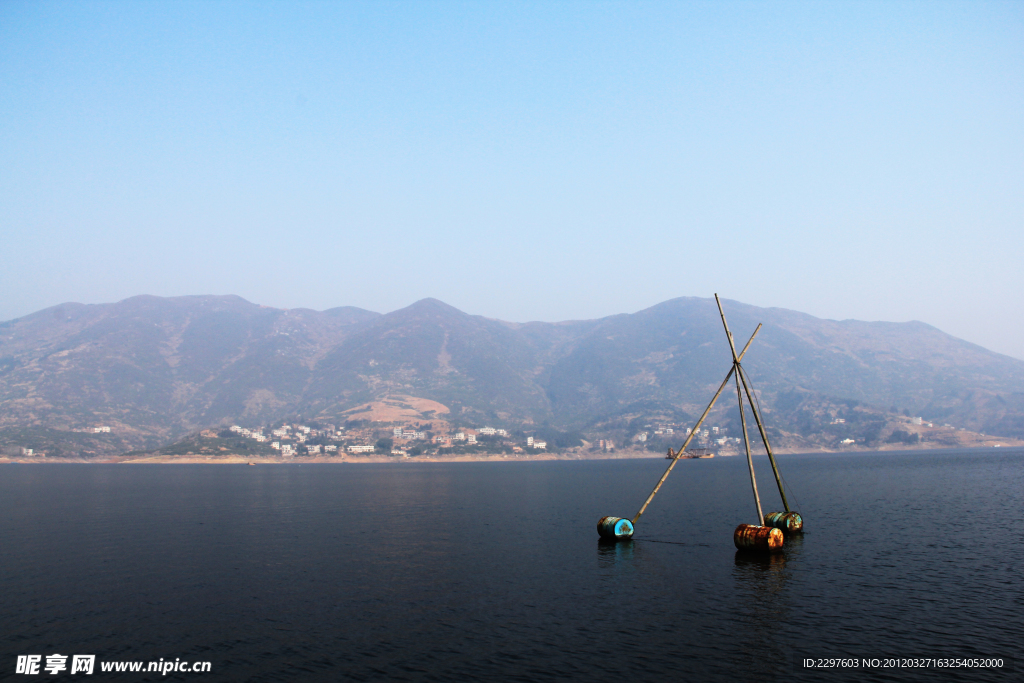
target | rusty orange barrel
[
  {"x": 764, "y": 539},
  {"x": 786, "y": 522},
  {"x": 615, "y": 528}
]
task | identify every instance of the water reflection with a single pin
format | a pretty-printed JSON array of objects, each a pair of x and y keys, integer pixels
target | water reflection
[
  {"x": 759, "y": 561},
  {"x": 764, "y": 575},
  {"x": 613, "y": 553},
  {"x": 793, "y": 546},
  {"x": 766, "y": 601}
]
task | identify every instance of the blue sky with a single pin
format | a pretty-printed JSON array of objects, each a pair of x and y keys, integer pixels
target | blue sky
[{"x": 523, "y": 161}]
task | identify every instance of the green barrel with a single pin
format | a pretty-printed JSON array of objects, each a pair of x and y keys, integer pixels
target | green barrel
[
  {"x": 786, "y": 522},
  {"x": 615, "y": 528}
]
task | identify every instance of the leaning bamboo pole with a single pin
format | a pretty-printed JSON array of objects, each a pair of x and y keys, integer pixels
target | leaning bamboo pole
[
  {"x": 764, "y": 436},
  {"x": 743, "y": 418},
  {"x": 695, "y": 429},
  {"x": 750, "y": 460}
]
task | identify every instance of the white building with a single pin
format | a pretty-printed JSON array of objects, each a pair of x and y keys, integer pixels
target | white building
[
  {"x": 330, "y": 448},
  {"x": 360, "y": 449},
  {"x": 641, "y": 437},
  {"x": 313, "y": 449},
  {"x": 540, "y": 444},
  {"x": 488, "y": 431},
  {"x": 100, "y": 430},
  {"x": 276, "y": 445},
  {"x": 471, "y": 438}
]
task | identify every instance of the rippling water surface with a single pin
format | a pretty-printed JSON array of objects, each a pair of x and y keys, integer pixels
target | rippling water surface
[{"x": 493, "y": 571}]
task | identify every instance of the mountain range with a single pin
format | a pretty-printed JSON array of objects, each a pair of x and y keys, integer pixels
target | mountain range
[{"x": 156, "y": 369}]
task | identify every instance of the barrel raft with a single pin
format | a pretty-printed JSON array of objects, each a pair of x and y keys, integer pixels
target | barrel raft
[
  {"x": 764, "y": 539},
  {"x": 786, "y": 522},
  {"x": 615, "y": 528}
]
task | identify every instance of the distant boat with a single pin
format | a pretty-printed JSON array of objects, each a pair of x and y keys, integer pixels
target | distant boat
[
  {"x": 691, "y": 454},
  {"x": 252, "y": 464}
]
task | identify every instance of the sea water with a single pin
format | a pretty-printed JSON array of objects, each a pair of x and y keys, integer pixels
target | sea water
[{"x": 494, "y": 571}]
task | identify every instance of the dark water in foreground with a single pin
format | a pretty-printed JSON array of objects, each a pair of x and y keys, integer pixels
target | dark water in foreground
[{"x": 493, "y": 571}]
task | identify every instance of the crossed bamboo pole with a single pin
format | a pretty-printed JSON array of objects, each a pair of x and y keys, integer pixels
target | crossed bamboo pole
[{"x": 740, "y": 377}]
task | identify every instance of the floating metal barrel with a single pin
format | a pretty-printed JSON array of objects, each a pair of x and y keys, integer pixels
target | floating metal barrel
[
  {"x": 764, "y": 539},
  {"x": 787, "y": 522},
  {"x": 615, "y": 528}
]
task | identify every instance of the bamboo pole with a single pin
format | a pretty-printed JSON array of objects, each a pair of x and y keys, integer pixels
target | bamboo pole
[
  {"x": 746, "y": 444},
  {"x": 743, "y": 418},
  {"x": 728, "y": 334},
  {"x": 764, "y": 436},
  {"x": 696, "y": 428}
]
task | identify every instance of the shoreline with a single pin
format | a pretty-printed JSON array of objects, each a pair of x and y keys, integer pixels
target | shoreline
[{"x": 632, "y": 454}]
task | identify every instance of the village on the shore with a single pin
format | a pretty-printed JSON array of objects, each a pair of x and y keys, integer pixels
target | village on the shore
[
  {"x": 292, "y": 440},
  {"x": 431, "y": 438},
  {"x": 409, "y": 440}
]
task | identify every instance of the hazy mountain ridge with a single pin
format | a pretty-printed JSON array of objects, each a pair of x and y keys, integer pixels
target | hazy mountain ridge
[
  {"x": 160, "y": 366},
  {"x": 433, "y": 350},
  {"x": 157, "y": 368}
]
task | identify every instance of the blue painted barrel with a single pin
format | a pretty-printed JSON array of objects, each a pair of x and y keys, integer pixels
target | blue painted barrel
[
  {"x": 615, "y": 528},
  {"x": 787, "y": 522}
]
